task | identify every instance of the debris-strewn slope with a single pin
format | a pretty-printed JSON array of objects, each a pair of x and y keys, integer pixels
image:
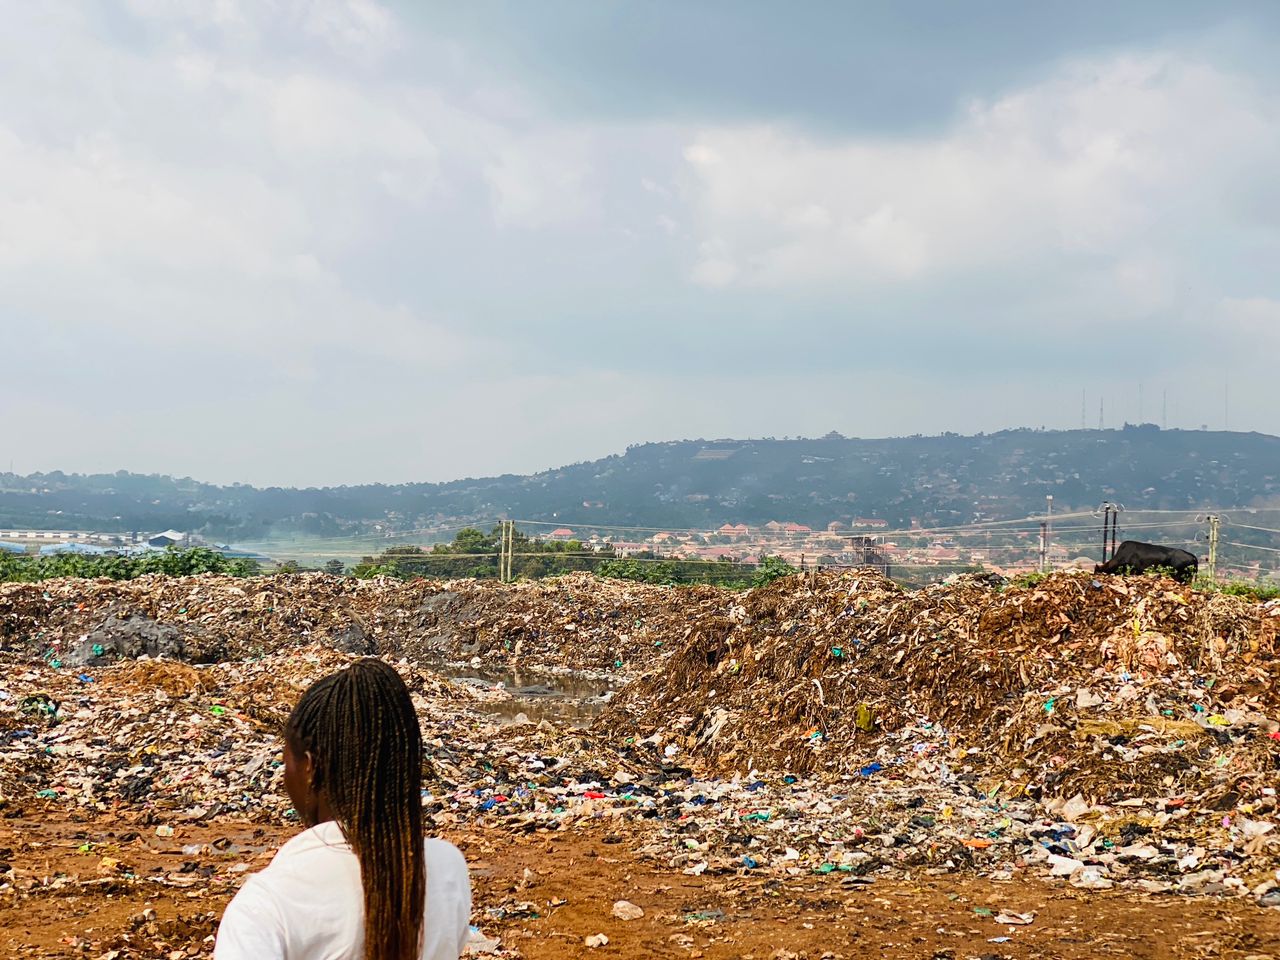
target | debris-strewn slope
[
  {"x": 1075, "y": 684},
  {"x": 576, "y": 622}
]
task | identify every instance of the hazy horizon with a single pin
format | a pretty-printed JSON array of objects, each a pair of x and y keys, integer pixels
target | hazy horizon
[
  {"x": 344, "y": 241},
  {"x": 551, "y": 468}
]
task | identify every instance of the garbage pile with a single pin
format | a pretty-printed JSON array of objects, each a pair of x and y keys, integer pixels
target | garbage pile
[
  {"x": 1105, "y": 688},
  {"x": 1105, "y": 731},
  {"x": 158, "y": 741},
  {"x": 577, "y": 622},
  {"x": 1081, "y": 683}
]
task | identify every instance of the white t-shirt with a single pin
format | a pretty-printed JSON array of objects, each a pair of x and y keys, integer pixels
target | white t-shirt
[{"x": 308, "y": 904}]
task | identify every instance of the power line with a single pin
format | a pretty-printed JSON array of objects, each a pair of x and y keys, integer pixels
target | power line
[
  {"x": 375, "y": 543},
  {"x": 1250, "y": 546},
  {"x": 1015, "y": 525},
  {"x": 871, "y": 531},
  {"x": 997, "y": 528},
  {"x": 370, "y": 537},
  {"x": 1249, "y": 526},
  {"x": 551, "y": 555}
]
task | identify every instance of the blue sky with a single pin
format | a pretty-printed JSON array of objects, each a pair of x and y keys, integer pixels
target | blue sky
[{"x": 342, "y": 241}]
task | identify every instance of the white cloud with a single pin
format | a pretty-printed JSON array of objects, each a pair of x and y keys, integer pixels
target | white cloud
[
  {"x": 96, "y": 204},
  {"x": 359, "y": 25},
  {"x": 204, "y": 208},
  {"x": 1253, "y": 321},
  {"x": 542, "y": 179},
  {"x": 346, "y": 231},
  {"x": 314, "y": 117},
  {"x": 715, "y": 267},
  {"x": 1110, "y": 160},
  {"x": 359, "y": 28}
]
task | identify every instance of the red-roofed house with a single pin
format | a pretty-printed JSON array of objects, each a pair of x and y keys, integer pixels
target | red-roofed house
[{"x": 562, "y": 533}]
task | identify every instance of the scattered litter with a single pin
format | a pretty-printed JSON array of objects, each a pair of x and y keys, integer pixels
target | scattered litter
[
  {"x": 625, "y": 910},
  {"x": 1015, "y": 919},
  {"x": 479, "y": 944},
  {"x": 923, "y": 748}
]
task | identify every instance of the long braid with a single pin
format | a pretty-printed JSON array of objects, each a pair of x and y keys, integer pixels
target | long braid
[{"x": 363, "y": 735}]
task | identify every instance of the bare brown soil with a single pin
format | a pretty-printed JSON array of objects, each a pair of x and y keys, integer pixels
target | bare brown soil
[{"x": 543, "y": 894}]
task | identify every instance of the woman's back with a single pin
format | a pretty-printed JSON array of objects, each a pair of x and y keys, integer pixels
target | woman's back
[{"x": 307, "y": 904}]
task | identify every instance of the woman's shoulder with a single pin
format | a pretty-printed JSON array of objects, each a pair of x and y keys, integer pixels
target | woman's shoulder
[{"x": 442, "y": 854}]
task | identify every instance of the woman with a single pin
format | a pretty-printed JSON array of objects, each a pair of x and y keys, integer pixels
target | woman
[{"x": 360, "y": 884}]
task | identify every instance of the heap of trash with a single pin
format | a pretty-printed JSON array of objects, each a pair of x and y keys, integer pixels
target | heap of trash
[
  {"x": 577, "y": 622},
  {"x": 1073, "y": 684},
  {"x": 1128, "y": 709},
  {"x": 1099, "y": 730},
  {"x": 164, "y": 741}
]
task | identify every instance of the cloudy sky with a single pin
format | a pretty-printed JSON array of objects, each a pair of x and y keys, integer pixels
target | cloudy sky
[{"x": 334, "y": 241}]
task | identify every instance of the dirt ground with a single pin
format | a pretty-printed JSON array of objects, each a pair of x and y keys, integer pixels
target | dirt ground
[{"x": 543, "y": 894}]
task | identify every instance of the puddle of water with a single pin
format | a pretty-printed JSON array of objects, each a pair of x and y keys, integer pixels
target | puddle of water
[
  {"x": 575, "y": 713},
  {"x": 575, "y": 700}
]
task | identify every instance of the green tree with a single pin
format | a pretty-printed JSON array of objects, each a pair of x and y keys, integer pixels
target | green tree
[
  {"x": 771, "y": 569},
  {"x": 335, "y": 567}
]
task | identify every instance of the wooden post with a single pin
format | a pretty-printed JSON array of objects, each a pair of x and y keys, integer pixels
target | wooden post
[
  {"x": 511, "y": 550},
  {"x": 1106, "y": 517},
  {"x": 1214, "y": 521}
]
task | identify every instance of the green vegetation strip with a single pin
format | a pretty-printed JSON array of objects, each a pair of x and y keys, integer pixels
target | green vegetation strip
[{"x": 22, "y": 568}]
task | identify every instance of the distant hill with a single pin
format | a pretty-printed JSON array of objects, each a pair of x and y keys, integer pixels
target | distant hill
[{"x": 703, "y": 483}]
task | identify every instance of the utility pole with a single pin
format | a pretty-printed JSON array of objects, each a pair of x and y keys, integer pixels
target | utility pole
[
  {"x": 1106, "y": 522},
  {"x": 1110, "y": 520},
  {"x": 502, "y": 554},
  {"x": 511, "y": 550},
  {"x": 505, "y": 547},
  {"x": 1214, "y": 522},
  {"x": 1043, "y": 555},
  {"x": 1048, "y": 526}
]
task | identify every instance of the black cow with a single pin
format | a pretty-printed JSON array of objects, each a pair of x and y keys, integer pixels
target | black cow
[{"x": 1135, "y": 557}]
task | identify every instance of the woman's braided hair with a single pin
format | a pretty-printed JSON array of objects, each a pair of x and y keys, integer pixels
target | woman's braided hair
[{"x": 362, "y": 732}]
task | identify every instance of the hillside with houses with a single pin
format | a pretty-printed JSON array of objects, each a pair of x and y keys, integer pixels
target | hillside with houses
[{"x": 783, "y": 486}]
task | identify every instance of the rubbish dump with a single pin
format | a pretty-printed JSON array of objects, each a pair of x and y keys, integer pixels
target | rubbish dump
[
  {"x": 1136, "y": 715},
  {"x": 1091, "y": 732},
  {"x": 1074, "y": 684},
  {"x": 577, "y": 622}
]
